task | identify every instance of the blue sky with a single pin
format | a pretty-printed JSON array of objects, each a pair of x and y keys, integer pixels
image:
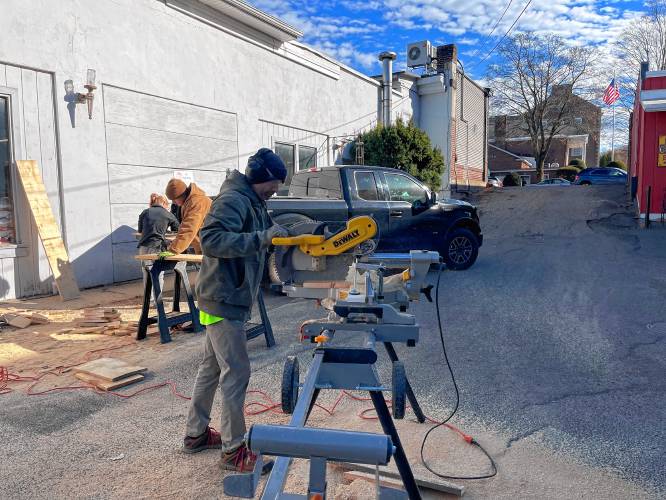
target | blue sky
[{"x": 356, "y": 31}]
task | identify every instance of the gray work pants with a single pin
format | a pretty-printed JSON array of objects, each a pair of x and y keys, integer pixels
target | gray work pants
[
  {"x": 225, "y": 363},
  {"x": 147, "y": 263}
]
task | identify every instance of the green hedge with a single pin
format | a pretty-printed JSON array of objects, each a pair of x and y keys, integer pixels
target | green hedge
[
  {"x": 569, "y": 173},
  {"x": 617, "y": 164},
  {"x": 577, "y": 163},
  {"x": 405, "y": 147},
  {"x": 512, "y": 179}
]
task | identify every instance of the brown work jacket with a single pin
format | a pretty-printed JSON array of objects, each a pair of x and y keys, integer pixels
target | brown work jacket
[{"x": 193, "y": 211}]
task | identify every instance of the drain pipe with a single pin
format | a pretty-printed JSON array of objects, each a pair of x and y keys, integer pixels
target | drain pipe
[{"x": 387, "y": 59}]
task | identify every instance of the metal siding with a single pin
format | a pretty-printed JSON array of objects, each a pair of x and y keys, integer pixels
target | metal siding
[
  {"x": 470, "y": 132},
  {"x": 148, "y": 138}
]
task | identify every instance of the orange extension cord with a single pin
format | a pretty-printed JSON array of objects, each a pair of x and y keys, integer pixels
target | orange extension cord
[{"x": 256, "y": 407}]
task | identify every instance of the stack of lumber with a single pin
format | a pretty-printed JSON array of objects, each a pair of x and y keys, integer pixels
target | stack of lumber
[
  {"x": 102, "y": 320},
  {"x": 24, "y": 320},
  {"x": 108, "y": 374}
]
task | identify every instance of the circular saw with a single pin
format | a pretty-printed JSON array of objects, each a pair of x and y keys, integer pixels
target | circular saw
[{"x": 311, "y": 253}]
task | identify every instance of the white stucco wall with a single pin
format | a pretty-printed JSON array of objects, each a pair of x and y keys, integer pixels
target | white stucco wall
[{"x": 150, "y": 47}]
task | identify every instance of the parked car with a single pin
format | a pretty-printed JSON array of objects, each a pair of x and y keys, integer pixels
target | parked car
[
  {"x": 604, "y": 175},
  {"x": 494, "y": 182},
  {"x": 409, "y": 216},
  {"x": 553, "y": 182}
]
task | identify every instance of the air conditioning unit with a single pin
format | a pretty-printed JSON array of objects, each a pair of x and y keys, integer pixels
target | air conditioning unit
[{"x": 419, "y": 54}]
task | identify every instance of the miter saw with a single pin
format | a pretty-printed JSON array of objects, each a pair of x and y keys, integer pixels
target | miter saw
[
  {"x": 367, "y": 295},
  {"x": 313, "y": 253}
]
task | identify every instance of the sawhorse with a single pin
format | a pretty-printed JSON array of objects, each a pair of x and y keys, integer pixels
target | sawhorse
[
  {"x": 254, "y": 330},
  {"x": 177, "y": 263}
]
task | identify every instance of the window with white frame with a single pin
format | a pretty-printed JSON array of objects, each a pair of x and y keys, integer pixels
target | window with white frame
[
  {"x": 575, "y": 153},
  {"x": 7, "y": 231},
  {"x": 296, "y": 157}
]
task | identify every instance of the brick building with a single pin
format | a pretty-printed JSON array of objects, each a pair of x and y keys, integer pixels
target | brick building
[{"x": 579, "y": 138}]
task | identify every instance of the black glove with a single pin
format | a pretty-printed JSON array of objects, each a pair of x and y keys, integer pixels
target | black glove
[{"x": 275, "y": 231}]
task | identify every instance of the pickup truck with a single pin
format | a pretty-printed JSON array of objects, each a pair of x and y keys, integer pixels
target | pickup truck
[{"x": 408, "y": 214}]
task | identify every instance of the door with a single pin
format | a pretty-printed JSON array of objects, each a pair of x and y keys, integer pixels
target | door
[
  {"x": 368, "y": 197},
  {"x": 408, "y": 227}
]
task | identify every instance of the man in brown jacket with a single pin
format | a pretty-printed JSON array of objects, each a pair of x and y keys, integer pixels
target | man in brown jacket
[{"x": 194, "y": 206}]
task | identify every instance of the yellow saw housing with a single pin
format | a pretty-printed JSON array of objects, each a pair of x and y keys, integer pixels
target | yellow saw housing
[{"x": 358, "y": 230}]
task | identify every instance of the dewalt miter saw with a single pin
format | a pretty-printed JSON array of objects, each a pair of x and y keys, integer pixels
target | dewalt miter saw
[{"x": 312, "y": 253}]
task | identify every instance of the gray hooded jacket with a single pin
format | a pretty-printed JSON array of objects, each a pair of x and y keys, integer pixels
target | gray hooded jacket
[{"x": 234, "y": 249}]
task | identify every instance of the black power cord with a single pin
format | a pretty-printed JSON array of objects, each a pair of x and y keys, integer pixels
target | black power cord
[{"x": 471, "y": 440}]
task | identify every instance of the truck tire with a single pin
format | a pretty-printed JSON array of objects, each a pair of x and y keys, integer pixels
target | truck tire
[
  {"x": 460, "y": 250},
  {"x": 285, "y": 220}
]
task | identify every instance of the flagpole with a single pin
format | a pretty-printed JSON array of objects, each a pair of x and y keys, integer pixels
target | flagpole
[{"x": 613, "y": 134}]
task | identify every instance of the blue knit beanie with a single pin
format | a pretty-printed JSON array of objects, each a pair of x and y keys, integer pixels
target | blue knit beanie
[{"x": 265, "y": 166}]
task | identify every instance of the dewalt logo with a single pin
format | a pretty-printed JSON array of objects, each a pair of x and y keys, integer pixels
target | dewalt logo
[{"x": 346, "y": 238}]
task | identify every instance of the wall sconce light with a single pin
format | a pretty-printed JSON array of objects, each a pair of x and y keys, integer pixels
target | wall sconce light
[{"x": 77, "y": 97}]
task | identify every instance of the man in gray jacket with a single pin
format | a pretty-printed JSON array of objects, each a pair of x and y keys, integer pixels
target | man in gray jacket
[{"x": 235, "y": 239}]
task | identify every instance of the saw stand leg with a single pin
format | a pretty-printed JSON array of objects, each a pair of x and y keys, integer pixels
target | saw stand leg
[
  {"x": 416, "y": 408},
  {"x": 399, "y": 456}
]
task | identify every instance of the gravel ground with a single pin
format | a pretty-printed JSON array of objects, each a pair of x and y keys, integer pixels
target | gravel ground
[{"x": 555, "y": 336}]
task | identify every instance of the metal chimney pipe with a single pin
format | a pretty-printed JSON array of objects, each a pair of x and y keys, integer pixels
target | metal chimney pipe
[{"x": 387, "y": 59}]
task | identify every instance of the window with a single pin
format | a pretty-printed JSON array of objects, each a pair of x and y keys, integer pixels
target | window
[
  {"x": 287, "y": 153},
  {"x": 322, "y": 184},
  {"x": 366, "y": 186},
  {"x": 402, "y": 188},
  {"x": 307, "y": 157},
  {"x": 575, "y": 153},
  {"x": 599, "y": 171},
  {"x": 7, "y": 233}
]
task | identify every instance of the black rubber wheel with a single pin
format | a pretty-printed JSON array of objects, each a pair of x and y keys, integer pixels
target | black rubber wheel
[
  {"x": 290, "y": 377},
  {"x": 399, "y": 390},
  {"x": 460, "y": 249}
]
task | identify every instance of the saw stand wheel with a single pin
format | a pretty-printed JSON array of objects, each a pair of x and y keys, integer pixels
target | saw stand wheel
[
  {"x": 399, "y": 390},
  {"x": 290, "y": 375}
]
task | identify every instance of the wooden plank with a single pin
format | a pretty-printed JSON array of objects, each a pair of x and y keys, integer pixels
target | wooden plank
[
  {"x": 135, "y": 146},
  {"x": 18, "y": 321},
  {"x": 48, "y": 229},
  {"x": 110, "y": 369},
  {"x": 105, "y": 385},
  {"x": 187, "y": 257},
  {"x": 127, "y": 107},
  {"x": 438, "y": 485}
]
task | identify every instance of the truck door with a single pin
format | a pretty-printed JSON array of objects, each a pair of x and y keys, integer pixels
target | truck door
[
  {"x": 408, "y": 228},
  {"x": 367, "y": 197}
]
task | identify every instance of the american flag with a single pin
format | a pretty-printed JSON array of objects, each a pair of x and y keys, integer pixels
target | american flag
[{"x": 612, "y": 93}]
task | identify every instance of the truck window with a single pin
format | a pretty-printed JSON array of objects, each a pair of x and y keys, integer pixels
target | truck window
[
  {"x": 402, "y": 188},
  {"x": 366, "y": 186},
  {"x": 318, "y": 184}
]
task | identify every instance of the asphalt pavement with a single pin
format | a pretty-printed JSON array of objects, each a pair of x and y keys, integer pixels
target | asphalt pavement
[{"x": 555, "y": 335}]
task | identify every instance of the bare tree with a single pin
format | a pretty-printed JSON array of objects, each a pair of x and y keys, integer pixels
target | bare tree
[
  {"x": 535, "y": 78},
  {"x": 645, "y": 39}
]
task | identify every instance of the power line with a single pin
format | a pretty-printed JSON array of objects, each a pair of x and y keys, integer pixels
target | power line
[
  {"x": 483, "y": 45},
  {"x": 505, "y": 34}
]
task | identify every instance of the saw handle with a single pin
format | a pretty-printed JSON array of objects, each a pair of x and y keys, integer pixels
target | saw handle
[{"x": 301, "y": 239}]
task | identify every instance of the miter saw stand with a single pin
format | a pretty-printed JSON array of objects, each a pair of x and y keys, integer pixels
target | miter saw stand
[{"x": 376, "y": 308}]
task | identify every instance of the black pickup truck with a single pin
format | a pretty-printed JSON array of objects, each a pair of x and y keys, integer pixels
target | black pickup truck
[{"x": 407, "y": 213}]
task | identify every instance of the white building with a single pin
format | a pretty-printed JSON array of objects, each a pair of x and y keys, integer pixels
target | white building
[{"x": 184, "y": 87}]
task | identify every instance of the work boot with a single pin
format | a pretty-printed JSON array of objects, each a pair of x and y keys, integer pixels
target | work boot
[
  {"x": 209, "y": 440},
  {"x": 243, "y": 460}
]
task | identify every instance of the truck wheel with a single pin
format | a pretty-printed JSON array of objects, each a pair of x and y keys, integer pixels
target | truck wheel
[
  {"x": 290, "y": 374},
  {"x": 461, "y": 249}
]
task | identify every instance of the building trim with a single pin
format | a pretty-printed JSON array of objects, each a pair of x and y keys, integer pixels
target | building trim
[
  {"x": 655, "y": 74},
  {"x": 255, "y": 18},
  {"x": 517, "y": 157},
  {"x": 556, "y": 136}
]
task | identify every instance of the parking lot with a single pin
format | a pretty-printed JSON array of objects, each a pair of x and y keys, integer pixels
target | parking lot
[{"x": 556, "y": 337}]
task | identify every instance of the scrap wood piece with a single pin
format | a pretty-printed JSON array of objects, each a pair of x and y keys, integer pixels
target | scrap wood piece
[
  {"x": 39, "y": 319},
  {"x": 48, "y": 229},
  {"x": 437, "y": 485},
  {"x": 186, "y": 257},
  {"x": 18, "y": 321},
  {"x": 110, "y": 369},
  {"x": 105, "y": 385}
]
